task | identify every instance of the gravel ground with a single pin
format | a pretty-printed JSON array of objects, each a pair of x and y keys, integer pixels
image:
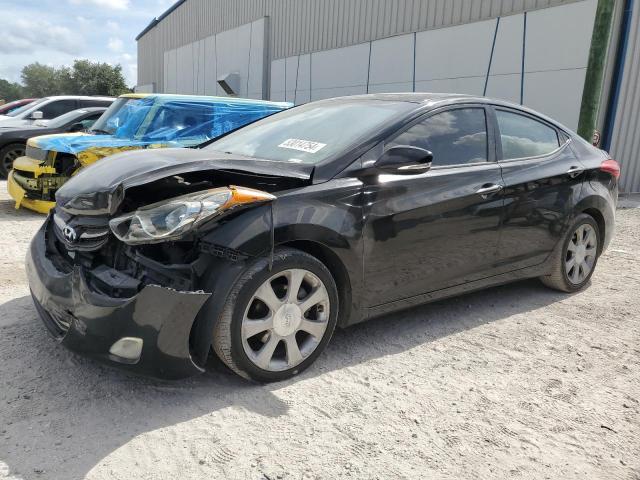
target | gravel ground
[{"x": 512, "y": 382}]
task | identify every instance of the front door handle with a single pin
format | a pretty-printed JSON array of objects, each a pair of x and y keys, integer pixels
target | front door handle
[
  {"x": 575, "y": 171},
  {"x": 487, "y": 190}
]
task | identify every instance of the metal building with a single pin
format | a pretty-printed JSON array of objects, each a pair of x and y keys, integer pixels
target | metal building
[{"x": 535, "y": 52}]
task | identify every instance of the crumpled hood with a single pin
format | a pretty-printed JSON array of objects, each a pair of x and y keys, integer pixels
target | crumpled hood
[
  {"x": 100, "y": 189},
  {"x": 75, "y": 143}
]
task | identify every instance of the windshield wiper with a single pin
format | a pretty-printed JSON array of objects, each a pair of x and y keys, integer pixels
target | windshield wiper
[{"x": 97, "y": 130}]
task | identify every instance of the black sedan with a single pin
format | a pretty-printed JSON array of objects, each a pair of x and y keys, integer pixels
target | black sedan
[
  {"x": 13, "y": 140},
  {"x": 255, "y": 247}
]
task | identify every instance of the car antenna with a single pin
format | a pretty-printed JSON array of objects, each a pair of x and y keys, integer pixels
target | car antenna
[{"x": 271, "y": 255}]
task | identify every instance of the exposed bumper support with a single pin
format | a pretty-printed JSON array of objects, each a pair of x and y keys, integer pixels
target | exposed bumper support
[
  {"x": 89, "y": 322},
  {"x": 19, "y": 194}
]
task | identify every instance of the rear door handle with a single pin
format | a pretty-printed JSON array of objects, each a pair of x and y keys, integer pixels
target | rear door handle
[
  {"x": 487, "y": 190},
  {"x": 575, "y": 171}
]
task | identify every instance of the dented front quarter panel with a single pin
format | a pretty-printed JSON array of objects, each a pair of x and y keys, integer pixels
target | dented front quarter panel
[
  {"x": 331, "y": 219},
  {"x": 167, "y": 318}
]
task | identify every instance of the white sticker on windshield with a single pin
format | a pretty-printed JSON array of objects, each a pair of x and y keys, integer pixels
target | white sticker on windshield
[{"x": 302, "y": 145}]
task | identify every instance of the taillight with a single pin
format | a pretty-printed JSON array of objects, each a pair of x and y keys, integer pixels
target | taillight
[{"x": 611, "y": 166}]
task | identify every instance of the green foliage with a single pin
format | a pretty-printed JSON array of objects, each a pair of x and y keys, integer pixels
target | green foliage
[
  {"x": 92, "y": 78},
  {"x": 83, "y": 78},
  {"x": 10, "y": 91},
  {"x": 40, "y": 80}
]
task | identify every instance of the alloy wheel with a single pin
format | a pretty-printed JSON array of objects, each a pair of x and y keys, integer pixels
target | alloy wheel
[
  {"x": 10, "y": 156},
  {"x": 581, "y": 254},
  {"x": 285, "y": 320}
]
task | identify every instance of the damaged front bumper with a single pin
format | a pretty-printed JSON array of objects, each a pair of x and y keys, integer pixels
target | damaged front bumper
[
  {"x": 15, "y": 187},
  {"x": 89, "y": 322}
]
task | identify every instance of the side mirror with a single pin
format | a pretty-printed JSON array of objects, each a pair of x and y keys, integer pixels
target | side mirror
[
  {"x": 404, "y": 160},
  {"x": 76, "y": 127},
  {"x": 37, "y": 115}
]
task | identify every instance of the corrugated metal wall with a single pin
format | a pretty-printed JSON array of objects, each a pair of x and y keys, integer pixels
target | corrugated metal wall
[
  {"x": 625, "y": 139},
  {"x": 302, "y": 26}
]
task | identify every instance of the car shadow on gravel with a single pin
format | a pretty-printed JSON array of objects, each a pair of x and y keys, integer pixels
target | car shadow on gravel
[
  {"x": 8, "y": 209},
  {"x": 58, "y": 402}
]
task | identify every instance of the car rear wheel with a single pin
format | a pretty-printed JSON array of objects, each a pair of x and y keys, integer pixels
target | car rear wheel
[
  {"x": 7, "y": 155},
  {"x": 276, "y": 322},
  {"x": 575, "y": 260}
]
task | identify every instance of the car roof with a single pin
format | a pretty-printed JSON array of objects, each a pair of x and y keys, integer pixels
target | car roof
[
  {"x": 77, "y": 97},
  {"x": 205, "y": 98},
  {"x": 414, "y": 97},
  {"x": 434, "y": 100}
]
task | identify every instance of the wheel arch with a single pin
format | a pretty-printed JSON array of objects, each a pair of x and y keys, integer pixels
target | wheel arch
[
  {"x": 337, "y": 268},
  {"x": 338, "y": 249},
  {"x": 599, "y": 218},
  {"x": 602, "y": 212},
  {"x": 14, "y": 142}
]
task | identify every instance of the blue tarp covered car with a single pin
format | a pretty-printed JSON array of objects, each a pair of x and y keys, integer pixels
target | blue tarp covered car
[{"x": 134, "y": 121}]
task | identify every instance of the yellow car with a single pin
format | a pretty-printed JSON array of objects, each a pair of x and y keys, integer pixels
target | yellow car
[{"x": 133, "y": 121}]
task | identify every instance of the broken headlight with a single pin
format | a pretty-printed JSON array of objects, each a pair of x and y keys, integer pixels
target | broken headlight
[{"x": 171, "y": 219}]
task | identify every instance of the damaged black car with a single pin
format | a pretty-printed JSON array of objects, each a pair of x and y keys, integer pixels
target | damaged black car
[{"x": 256, "y": 246}]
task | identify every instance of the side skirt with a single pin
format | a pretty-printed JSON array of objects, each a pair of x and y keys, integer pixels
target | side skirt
[{"x": 528, "y": 272}]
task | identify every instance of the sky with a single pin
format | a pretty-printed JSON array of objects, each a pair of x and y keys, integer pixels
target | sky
[{"x": 55, "y": 32}]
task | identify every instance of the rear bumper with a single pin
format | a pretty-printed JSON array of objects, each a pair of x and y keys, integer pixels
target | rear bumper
[
  {"x": 89, "y": 322},
  {"x": 19, "y": 195}
]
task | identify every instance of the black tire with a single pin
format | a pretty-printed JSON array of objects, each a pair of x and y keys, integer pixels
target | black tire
[
  {"x": 559, "y": 279},
  {"x": 227, "y": 334},
  {"x": 8, "y": 154}
]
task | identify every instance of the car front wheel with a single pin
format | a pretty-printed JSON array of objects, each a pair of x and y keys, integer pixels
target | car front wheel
[
  {"x": 277, "y": 321},
  {"x": 7, "y": 155},
  {"x": 575, "y": 259}
]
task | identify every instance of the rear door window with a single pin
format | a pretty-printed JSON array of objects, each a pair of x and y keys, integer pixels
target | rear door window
[
  {"x": 455, "y": 137},
  {"x": 523, "y": 137},
  {"x": 57, "y": 107}
]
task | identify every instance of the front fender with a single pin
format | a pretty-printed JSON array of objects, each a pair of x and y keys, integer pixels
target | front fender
[{"x": 324, "y": 218}]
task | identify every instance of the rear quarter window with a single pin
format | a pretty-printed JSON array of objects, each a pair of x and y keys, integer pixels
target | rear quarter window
[
  {"x": 523, "y": 137},
  {"x": 56, "y": 108}
]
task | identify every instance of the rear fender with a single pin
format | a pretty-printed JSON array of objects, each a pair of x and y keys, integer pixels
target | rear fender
[{"x": 597, "y": 202}]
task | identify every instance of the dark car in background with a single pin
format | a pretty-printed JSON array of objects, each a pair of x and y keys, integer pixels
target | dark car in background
[
  {"x": 7, "y": 108},
  {"x": 258, "y": 245},
  {"x": 47, "y": 108},
  {"x": 13, "y": 140}
]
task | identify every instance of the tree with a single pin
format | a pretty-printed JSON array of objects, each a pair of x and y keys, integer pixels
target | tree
[
  {"x": 10, "y": 91},
  {"x": 83, "y": 78},
  {"x": 93, "y": 78},
  {"x": 40, "y": 80}
]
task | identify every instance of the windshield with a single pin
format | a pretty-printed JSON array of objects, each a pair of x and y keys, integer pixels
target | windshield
[
  {"x": 116, "y": 115},
  {"x": 10, "y": 107},
  {"x": 313, "y": 132},
  {"x": 24, "y": 108},
  {"x": 186, "y": 121},
  {"x": 68, "y": 117}
]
